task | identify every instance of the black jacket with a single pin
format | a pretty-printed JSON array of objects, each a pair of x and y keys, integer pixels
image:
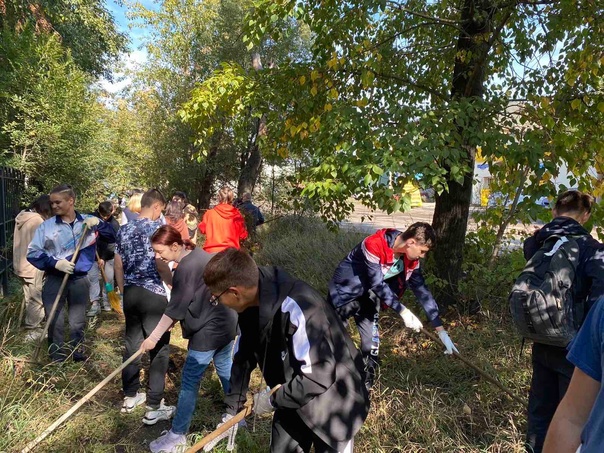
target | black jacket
[
  {"x": 589, "y": 284},
  {"x": 298, "y": 341},
  {"x": 207, "y": 327},
  {"x": 104, "y": 247}
]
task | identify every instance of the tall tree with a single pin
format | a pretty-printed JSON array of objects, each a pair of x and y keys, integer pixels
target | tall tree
[
  {"x": 189, "y": 39},
  {"x": 413, "y": 89}
]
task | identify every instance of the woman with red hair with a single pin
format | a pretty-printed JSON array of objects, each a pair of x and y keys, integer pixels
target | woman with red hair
[{"x": 210, "y": 328}]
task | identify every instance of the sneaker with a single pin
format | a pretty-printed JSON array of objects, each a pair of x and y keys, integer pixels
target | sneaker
[
  {"x": 33, "y": 335},
  {"x": 163, "y": 412},
  {"x": 106, "y": 307},
  {"x": 169, "y": 442},
  {"x": 95, "y": 309},
  {"x": 131, "y": 402}
]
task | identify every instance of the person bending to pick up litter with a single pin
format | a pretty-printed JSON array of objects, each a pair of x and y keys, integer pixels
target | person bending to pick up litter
[
  {"x": 378, "y": 271},
  {"x": 295, "y": 337}
]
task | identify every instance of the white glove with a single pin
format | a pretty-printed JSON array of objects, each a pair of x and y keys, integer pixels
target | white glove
[
  {"x": 228, "y": 434},
  {"x": 262, "y": 402},
  {"x": 91, "y": 222},
  {"x": 449, "y": 346},
  {"x": 410, "y": 320},
  {"x": 65, "y": 266}
]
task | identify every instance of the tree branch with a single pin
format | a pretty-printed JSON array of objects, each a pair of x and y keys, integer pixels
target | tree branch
[{"x": 452, "y": 23}]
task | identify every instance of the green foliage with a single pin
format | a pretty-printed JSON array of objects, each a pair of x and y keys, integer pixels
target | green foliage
[
  {"x": 374, "y": 96},
  {"x": 85, "y": 27},
  {"x": 52, "y": 126}
]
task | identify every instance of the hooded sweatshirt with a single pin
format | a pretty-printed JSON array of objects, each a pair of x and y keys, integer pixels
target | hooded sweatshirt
[
  {"x": 224, "y": 227},
  {"x": 26, "y": 224},
  {"x": 298, "y": 341},
  {"x": 589, "y": 283}
]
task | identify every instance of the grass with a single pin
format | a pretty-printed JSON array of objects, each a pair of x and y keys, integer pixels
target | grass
[{"x": 423, "y": 401}]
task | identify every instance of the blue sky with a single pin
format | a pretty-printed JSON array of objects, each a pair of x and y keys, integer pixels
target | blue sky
[{"x": 136, "y": 54}]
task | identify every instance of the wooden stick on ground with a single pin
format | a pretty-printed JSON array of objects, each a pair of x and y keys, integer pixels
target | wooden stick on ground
[
  {"x": 59, "y": 294},
  {"x": 485, "y": 375},
  {"x": 225, "y": 427},
  {"x": 30, "y": 446}
]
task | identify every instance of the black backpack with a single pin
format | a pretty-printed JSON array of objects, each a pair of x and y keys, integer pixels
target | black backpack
[{"x": 541, "y": 300}]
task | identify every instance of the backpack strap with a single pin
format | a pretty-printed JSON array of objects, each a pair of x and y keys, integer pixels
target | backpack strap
[{"x": 556, "y": 246}]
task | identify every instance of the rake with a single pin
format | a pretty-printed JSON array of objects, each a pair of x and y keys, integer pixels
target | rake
[{"x": 53, "y": 310}]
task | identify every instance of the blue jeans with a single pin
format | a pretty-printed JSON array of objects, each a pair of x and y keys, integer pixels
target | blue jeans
[{"x": 195, "y": 365}]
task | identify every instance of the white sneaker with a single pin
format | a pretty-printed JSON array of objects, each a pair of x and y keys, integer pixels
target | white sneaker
[
  {"x": 131, "y": 402},
  {"x": 169, "y": 442},
  {"x": 33, "y": 335},
  {"x": 94, "y": 310},
  {"x": 163, "y": 412}
]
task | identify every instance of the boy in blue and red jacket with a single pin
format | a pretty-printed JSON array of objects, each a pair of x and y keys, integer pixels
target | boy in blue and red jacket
[
  {"x": 50, "y": 250},
  {"x": 376, "y": 273}
]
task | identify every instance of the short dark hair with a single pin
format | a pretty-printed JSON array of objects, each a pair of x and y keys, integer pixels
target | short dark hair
[
  {"x": 182, "y": 195},
  {"x": 105, "y": 208},
  {"x": 573, "y": 201},
  {"x": 42, "y": 206},
  {"x": 231, "y": 267},
  {"x": 422, "y": 232},
  {"x": 152, "y": 196},
  {"x": 64, "y": 189}
]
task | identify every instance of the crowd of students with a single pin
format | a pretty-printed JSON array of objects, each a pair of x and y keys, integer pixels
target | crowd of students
[{"x": 241, "y": 316}]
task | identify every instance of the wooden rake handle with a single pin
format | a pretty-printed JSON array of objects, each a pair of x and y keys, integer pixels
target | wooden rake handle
[
  {"x": 482, "y": 373},
  {"x": 226, "y": 426},
  {"x": 53, "y": 310},
  {"x": 30, "y": 446}
]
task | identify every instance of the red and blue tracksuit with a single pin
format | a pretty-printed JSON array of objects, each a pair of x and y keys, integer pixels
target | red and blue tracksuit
[{"x": 362, "y": 282}]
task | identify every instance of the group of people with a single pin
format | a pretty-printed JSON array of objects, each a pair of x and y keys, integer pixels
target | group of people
[{"x": 241, "y": 316}]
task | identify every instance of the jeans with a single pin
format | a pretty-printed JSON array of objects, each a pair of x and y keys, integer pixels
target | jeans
[
  {"x": 143, "y": 309},
  {"x": 195, "y": 365},
  {"x": 75, "y": 297},
  {"x": 551, "y": 376},
  {"x": 94, "y": 277}
]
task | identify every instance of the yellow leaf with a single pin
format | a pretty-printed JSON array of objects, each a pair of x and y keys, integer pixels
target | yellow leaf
[
  {"x": 327, "y": 107},
  {"x": 333, "y": 93},
  {"x": 293, "y": 130},
  {"x": 601, "y": 107},
  {"x": 282, "y": 152},
  {"x": 314, "y": 75},
  {"x": 313, "y": 90},
  {"x": 575, "y": 104},
  {"x": 302, "y": 80}
]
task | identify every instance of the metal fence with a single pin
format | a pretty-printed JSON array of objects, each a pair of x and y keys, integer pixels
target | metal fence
[{"x": 12, "y": 183}]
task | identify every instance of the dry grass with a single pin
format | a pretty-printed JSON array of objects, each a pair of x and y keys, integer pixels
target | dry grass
[{"x": 423, "y": 401}]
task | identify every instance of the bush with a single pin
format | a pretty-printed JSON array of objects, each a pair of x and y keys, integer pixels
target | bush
[{"x": 304, "y": 247}]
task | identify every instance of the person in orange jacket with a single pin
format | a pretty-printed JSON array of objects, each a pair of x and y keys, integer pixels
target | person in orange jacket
[{"x": 223, "y": 225}]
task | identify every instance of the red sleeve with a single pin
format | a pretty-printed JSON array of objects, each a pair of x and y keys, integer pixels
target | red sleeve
[
  {"x": 242, "y": 230},
  {"x": 202, "y": 224}
]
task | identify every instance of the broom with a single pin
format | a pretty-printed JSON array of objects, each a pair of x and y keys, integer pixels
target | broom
[{"x": 114, "y": 299}]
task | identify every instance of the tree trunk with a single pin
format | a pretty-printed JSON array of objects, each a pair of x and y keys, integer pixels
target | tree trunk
[
  {"x": 206, "y": 191},
  {"x": 452, "y": 210},
  {"x": 251, "y": 158}
]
